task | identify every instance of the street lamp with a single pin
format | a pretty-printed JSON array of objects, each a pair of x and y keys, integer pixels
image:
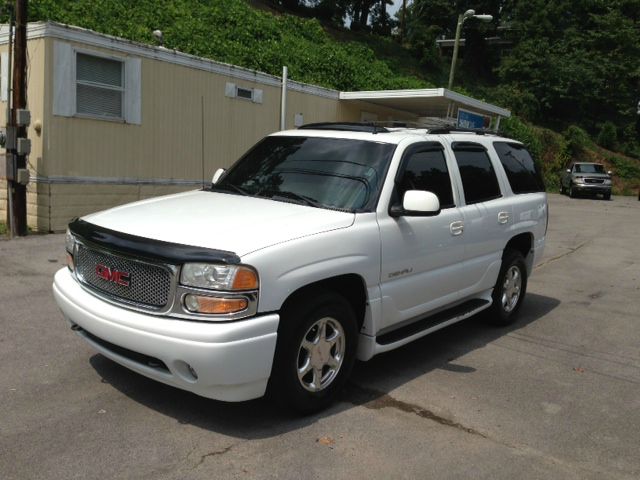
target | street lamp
[{"x": 461, "y": 19}]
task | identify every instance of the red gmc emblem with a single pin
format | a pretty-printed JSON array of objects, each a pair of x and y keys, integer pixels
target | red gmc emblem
[{"x": 115, "y": 276}]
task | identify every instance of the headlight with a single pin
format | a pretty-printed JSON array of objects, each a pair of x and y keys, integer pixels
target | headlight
[
  {"x": 69, "y": 241},
  {"x": 607, "y": 181},
  {"x": 219, "y": 276},
  {"x": 578, "y": 180},
  {"x": 69, "y": 245}
]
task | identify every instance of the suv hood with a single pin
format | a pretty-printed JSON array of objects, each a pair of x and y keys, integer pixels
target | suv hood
[{"x": 220, "y": 221}]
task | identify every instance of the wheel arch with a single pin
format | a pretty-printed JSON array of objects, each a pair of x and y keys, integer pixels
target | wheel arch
[
  {"x": 523, "y": 243},
  {"x": 350, "y": 286}
]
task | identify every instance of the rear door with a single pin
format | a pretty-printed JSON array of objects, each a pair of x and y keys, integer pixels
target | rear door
[
  {"x": 487, "y": 215},
  {"x": 421, "y": 256}
]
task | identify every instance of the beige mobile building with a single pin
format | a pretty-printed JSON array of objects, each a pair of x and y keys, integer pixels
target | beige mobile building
[{"x": 113, "y": 121}]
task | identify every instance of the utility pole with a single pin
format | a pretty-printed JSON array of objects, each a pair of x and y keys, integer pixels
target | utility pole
[
  {"x": 18, "y": 124},
  {"x": 403, "y": 22}
]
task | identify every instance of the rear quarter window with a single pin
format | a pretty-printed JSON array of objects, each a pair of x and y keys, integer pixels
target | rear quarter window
[{"x": 523, "y": 173}]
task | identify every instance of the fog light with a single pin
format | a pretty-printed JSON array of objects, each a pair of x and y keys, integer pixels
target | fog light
[{"x": 214, "y": 305}]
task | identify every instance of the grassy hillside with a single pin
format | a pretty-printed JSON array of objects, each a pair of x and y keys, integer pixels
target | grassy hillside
[{"x": 233, "y": 31}]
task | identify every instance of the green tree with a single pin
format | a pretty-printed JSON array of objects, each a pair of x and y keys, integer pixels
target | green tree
[{"x": 579, "y": 58}]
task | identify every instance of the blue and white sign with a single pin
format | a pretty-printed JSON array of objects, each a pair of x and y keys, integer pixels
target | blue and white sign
[{"x": 467, "y": 119}]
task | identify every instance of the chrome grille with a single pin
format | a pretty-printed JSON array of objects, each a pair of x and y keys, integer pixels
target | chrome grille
[
  {"x": 593, "y": 180},
  {"x": 149, "y": 285}
]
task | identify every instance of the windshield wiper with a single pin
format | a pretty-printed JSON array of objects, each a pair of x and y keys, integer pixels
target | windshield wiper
[
  {"x": 230, "y": 186},
  {"x": 311, "y": 202}
]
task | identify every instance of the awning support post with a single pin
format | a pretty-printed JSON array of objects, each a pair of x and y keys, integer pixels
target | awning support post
[{"x": 283, "y": 100}]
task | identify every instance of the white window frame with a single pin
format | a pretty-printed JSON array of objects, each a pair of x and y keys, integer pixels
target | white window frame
[
  {"x": 4, "y": 76},
  {"x": 65, "y": 84},
  {"x": 231, "y": 91},
  {"x": 122, "y": 89}
]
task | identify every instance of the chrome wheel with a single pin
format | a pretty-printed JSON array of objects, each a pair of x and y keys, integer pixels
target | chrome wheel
[
  {"x": 511, "y": 288},
  {"x": 321, "y": 354}
]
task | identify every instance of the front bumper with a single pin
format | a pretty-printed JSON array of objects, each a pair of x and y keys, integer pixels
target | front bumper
[
  {"x": 592, "y": 188},
  {"x": 231, "y": 360}
]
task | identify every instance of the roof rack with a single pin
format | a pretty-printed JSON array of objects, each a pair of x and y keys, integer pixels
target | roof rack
[
  {"x": 478, "y": 131},
  {"x": 345, "y": 126},
  {"x": 388, "y": 126}
]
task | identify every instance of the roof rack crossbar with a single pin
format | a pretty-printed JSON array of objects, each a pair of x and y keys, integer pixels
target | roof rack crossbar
[
  {"x": 442, "y": 130},
  {"x": 345, "y": 126}
]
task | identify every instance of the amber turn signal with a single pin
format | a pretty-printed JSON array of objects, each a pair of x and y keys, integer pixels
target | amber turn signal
[
  {"x": 214, "y": 305},
  {"x": 70, "y": 263},
  {"x": 245, "y": 279}
]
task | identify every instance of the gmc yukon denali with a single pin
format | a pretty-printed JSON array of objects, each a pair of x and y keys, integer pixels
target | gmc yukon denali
[{"x": 320, "y": 246}]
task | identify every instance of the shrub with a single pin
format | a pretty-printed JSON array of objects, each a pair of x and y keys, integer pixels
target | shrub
[
  {"x": 517, "y": 129},
  {"x": 608, "y": 136},
  {"x": 625, "y": 168},
  {"x": 577, "y": 140}
]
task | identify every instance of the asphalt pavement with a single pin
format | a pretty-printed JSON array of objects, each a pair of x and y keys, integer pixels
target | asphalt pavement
[{"x": 555, "y": 396}]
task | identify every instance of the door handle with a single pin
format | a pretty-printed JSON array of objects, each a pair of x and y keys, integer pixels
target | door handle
[
  {"x": 503, "y": 217},
  {"x": 456, "y": 228}
]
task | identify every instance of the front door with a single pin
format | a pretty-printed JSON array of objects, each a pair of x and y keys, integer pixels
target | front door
[{"x": 421, "y": 256}]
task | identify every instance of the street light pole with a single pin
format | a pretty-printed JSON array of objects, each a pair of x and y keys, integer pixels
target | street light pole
[
  {"x": 456, "y": 44},
  {"x": 461, "y": 19}
]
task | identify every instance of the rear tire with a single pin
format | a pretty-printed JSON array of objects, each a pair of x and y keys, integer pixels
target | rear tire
[
  {"x": 510, "y": 289},
  {"x": 315, "y": 352},
  {"x": 563, "y": 191}
]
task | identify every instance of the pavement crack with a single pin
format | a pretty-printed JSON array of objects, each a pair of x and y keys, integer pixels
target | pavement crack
[
  {"x": 375, "y": 400},
  {"x": 213, "y": 454},
  {"x": 562, "y": 255}
]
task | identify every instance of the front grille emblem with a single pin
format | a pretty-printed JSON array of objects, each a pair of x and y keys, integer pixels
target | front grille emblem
[{"x": 112, "y": 275}]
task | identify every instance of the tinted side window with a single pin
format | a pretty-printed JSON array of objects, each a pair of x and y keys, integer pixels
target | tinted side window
[
  {"x": 478, "y": 176},
  {"x": 427, "y": 170},
  {"x": 522, "y": 172}
]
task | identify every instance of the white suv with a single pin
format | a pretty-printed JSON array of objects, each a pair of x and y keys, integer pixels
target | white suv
[{"x": 319, "y": 246}]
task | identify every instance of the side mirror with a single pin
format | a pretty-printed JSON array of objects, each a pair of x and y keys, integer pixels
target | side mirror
[
  {"x": 568, "y": 170},
  {"x": 417, "y": 203},
  {"x": 217, "y": 175},
  {"x": 609, "y": 172}
]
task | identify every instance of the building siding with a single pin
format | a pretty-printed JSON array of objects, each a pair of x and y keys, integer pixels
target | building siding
[{"x": 188, "y": 129}]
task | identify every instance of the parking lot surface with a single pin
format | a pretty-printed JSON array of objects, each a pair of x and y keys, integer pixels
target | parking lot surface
[{"x": 555, "y": 396}]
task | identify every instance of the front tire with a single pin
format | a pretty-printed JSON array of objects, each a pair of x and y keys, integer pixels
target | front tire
[
  {"x": 572, "y": 192},
  {"x": 315, "y": 352},
  {"x": 510, "y": 289}
]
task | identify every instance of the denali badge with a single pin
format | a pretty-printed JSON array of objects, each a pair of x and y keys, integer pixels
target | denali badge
[{"x": 115, "y": 276}]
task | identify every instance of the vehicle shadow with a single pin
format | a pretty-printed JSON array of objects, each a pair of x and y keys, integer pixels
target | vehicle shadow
[{"x": 262, "y": 419}]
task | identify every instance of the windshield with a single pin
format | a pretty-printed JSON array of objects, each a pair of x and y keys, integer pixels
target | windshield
[
  {"x": 332, "y": 173},
  {"x": 589, "y": 168}
]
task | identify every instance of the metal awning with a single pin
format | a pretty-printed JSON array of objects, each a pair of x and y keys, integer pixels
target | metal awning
[{"x": 426, "y": 102}]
